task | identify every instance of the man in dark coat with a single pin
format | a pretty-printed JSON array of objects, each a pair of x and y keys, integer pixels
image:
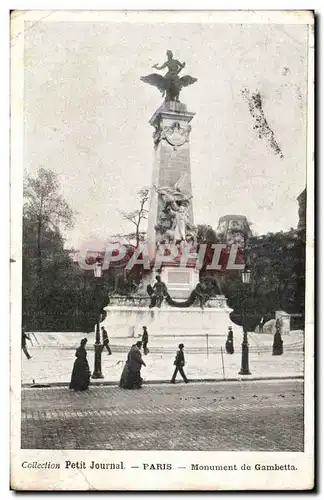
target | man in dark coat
[
  {"x": 179, "y": 363},
  {"x": 105, "y": 340},
  {"x": 145, "y": 340},
  {"x": 24, "y": 337}
]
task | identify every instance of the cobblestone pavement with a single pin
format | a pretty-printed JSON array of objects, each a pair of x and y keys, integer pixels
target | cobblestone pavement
[{"x": 232, "y": 416}]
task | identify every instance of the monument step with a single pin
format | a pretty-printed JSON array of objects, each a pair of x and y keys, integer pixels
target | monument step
[{"x": 257, "y": 342}]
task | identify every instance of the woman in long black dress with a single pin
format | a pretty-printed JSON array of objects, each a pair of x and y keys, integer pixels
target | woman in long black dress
[
  {"x": 80, "y": 378},
  {"x": 229, "y": 345},
  {"x": 131, "y": 375}
]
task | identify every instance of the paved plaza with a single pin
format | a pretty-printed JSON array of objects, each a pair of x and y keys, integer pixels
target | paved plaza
[
  {"x": 53, "y": 363},
  {"x": 223, "y": 416}
]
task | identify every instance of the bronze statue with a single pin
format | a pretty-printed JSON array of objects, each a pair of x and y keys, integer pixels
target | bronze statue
[
  {"x": 171, "y": 84},
  {"x": 206, "y": 288},
  {"x": 157, "y": 292}
]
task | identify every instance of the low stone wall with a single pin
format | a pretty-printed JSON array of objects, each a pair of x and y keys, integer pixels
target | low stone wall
[{"x": 144, "y": 301}]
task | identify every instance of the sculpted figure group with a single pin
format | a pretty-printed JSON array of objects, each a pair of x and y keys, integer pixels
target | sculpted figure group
[
  {"x": 205, "y": 289},
  {"x": 173, "y": 224}
]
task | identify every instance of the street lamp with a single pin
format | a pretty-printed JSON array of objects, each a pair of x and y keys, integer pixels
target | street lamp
[
  {"x": 97, "y": 346},
  {"x": 246, "y": 278}
]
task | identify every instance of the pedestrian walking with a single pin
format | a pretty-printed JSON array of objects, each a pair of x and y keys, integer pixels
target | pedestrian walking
[
  {"x": 277, "y": 346},
  {"x": 179, "y": 363},
  {"x": 24, "y": 337},
  {"x": 80, "y": 378},
  {"x": 229, "y": 345},
  {"x": 145, "y": 339},
  {"x": 131, "y": 375},
  {"x": 105, "y": 340}
]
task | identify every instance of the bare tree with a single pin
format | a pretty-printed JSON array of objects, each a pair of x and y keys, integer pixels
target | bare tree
[
  {"x": 138, "y": 215},
  {"x": 44, "y": 207}
]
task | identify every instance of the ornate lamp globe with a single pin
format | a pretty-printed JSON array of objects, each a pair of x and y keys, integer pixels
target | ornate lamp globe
[
  {"x": 246, "y": 275},
  {"x": 98, "y": 268}
]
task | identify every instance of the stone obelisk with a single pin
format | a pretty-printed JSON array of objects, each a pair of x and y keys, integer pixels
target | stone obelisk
[
  {"x": 170, "y": 218},
  {"x": 171, "y": 167}
]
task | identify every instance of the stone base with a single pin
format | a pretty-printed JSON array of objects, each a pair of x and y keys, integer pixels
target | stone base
[
  {"x": 127, "y": 319},
  {"x": 180, "y": 281}
]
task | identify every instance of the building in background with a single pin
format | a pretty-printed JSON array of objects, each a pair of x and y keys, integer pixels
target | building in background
[{"x": 233, "y": 230}]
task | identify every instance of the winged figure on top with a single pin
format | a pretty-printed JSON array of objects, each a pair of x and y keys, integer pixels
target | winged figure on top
[{"x": 170, "y": 84}]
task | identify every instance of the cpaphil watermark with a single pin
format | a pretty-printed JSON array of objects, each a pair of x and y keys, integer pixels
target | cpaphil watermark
[{"x": 127, "y": 257}]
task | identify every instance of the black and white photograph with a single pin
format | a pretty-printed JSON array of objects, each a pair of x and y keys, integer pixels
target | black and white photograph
[{"x": 162, "y": 235}]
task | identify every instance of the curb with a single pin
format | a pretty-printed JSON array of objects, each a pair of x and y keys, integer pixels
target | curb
[{"x": 159, "y": 382}]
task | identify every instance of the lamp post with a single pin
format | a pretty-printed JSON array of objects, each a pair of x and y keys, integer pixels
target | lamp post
[
  {"x": 246, "y": 278},
  {"x": 97, "y": 346}
]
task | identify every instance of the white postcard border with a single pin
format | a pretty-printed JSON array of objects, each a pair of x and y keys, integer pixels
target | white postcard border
[{"x": 137, "y": 479}]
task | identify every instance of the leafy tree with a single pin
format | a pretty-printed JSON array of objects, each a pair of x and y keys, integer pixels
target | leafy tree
[
  {"x": 58, "y": 295},
  {"x": 278, "y": 266},
  {"x": 118, "y": 280},
  {"x": 206, "y": 234},
  {"x": 53, "y": 287},
  {"x": 45, "y": 211},
  {"x": 277, "y": 262}
]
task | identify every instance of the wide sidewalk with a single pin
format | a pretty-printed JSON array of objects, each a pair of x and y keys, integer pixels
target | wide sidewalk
[{"x": 53, "y": 365}]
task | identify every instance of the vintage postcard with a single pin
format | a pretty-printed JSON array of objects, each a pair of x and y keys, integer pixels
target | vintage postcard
[{"x": 162, "y": 239}]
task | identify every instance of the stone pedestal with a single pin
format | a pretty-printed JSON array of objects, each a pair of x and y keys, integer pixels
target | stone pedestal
[
  {"x": 126, "y": 317},
  {"x": 180, "y": 281}
]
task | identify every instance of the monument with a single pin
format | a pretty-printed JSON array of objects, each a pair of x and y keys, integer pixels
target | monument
[{"x": 173, "y": 299}]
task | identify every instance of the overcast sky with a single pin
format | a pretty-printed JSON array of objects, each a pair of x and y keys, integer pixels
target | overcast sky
[{"x": 87, "y": 112}]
